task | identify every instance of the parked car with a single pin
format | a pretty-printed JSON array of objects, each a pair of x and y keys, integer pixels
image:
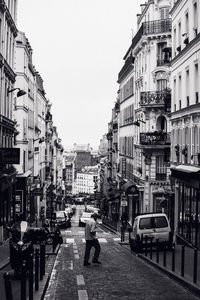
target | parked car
[
  {"x": 62, "y": 219},
  {"x": 154, "y": 226}
]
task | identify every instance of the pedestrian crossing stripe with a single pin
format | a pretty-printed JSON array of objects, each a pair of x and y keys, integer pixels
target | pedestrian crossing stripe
[
  {"x": 101, "y": 240},
  {"x": 70, "y": 241}
]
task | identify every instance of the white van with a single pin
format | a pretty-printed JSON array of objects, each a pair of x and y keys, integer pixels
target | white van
[{"x": 154, "y": 226}]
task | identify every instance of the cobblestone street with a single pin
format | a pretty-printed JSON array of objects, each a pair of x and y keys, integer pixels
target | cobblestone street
[{"x": 122, "y": 275}]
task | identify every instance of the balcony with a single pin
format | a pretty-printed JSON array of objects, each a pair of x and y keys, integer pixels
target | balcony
[
  {"x": 156, "y": 99},
  {"x": 154, "y": 138},
  {"x": 158, "y": 26},
  {"x": 152, "y": 27}
]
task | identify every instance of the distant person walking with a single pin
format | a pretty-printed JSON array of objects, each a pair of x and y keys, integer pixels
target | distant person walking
[
  {"x": 91, "y": 240},
  {"x": 124, "y": 223}
]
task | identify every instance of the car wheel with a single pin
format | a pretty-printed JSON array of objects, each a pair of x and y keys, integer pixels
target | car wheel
[{"x": 132, "y": 245}]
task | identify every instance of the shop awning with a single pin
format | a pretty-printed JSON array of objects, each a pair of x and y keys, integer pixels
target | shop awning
[
  {"x": 37, "y": 191},
  {"x": 186, "y": 169},
  {"x": 126, "y": 186},
  {"x": 26, "y": 174}
]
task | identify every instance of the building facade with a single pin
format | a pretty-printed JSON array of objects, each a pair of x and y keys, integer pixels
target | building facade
[
  {"x": 8, "y": 129},
  {"x": 185, "y": 119}
]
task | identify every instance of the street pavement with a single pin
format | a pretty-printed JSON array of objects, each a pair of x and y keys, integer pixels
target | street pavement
[{"x": 122, "y": 274}]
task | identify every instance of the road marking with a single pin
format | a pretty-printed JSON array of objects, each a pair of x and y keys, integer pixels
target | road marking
[
  {"x": 102, "y": 240},
  {"x": 117, "y": 239},
  {"x": 71, "y": 265},
  {"x": 76, "y": 256},
  {"x": 116, "y": 249},
  {"x": 80, "y": 280},
  {"x": 82, "y": 295},
  {"x": 70, "y": 241}
]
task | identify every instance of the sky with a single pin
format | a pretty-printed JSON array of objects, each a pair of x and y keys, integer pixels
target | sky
[{"x": 78, "y": 49}]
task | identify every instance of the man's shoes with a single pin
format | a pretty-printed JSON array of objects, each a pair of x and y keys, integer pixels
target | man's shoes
[
  {"x": 87, "y": 264},
  {"x": 96, "y": 262}
]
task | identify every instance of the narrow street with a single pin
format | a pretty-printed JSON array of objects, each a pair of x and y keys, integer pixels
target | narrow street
[{"x": 122, "y": 275}]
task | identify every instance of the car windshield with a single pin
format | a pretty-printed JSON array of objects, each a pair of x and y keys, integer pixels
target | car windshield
[
  {"x": 60, "y": 214},
  {"x": 153, "y": 222}
]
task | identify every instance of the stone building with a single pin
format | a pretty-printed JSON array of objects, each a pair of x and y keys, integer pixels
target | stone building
[{"x": 185, "y": 119}]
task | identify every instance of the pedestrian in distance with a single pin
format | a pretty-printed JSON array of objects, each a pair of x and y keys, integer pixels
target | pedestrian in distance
[
  {"x": 91, "y": 240},
  {"x": 124, "y": 222}
]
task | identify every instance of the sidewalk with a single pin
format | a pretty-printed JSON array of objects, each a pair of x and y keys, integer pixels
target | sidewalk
[
  {"x": 187, "y": 279},
  {"x": 4, "y": 254}
]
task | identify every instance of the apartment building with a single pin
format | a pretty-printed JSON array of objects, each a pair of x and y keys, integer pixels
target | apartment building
[
  {"x": 185, "y": 119},
  {"x": 8, "y": 130},
  {"x": 86, "y": 179},
  {"x": 145, "y": 101}
]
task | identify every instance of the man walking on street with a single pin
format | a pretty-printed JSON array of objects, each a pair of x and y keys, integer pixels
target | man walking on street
[{"x": 91, "y": 240}]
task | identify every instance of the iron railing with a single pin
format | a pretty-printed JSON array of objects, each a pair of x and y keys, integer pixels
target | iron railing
[
  {"x": 154, "y": 138},
  {"x": 156, "y": 98},
  {"x": 152, "y": 27}
]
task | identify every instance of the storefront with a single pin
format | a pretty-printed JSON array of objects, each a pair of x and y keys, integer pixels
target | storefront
[{"x": 187, "y": 198}]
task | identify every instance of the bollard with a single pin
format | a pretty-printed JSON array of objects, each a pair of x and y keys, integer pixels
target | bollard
[
  {"x": 195, "y": 266},
  {"x": 173, "y": 257},
  {"x": 23, "y": 281},
  {"x": 164, "y": 255},
  {"x": 31, "y": 277},
  {"x": 145, "y": 245},
  {"x": 151, "y": 242},
  {"x": 36, "y": 269},
  {"x": 8, "y": 286},
  {"x": 42, "y": 260},
  {"x": 157, "y": 251},
  {"x": 182, "y": 260},
  {"x": 141, "y": 243}
]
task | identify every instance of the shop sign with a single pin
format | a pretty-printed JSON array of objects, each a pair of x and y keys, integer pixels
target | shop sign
[
  {"x": 9, "y": 156},
  {"x": 124, "y": 202},
  {"x": 19, "y": 202},
  {"x": 123, "y": 167}
]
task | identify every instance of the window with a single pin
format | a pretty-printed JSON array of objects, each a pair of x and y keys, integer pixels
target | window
[
  {"x": 164, "y": 13},
  {"x": 160, "y": 54},
  {"x": 195, "y": 18},
  {"x": 187, "y": 87},
  {"x": 161, "y": 169},
  {"x": 161, "y": 85},
  {"x": 179, "y": 90},
  {"x": 196, "y": 76},
  {"x": 174, "y": 41},
  {"x": 187, "y": 24},
  {"x": 179, "y": 34}
]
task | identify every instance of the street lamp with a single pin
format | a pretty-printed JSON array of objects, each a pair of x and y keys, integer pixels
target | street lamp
[{"x": 19, "y": 93}]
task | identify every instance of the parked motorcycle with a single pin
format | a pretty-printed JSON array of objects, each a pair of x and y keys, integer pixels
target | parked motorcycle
[{"x": 20, "y": 247}]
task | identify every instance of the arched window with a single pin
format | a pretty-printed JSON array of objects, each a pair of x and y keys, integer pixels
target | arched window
[{"x": 161, "y": 124}]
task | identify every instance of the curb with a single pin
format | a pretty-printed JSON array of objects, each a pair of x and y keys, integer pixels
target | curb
[
  {"x": 4, "y": 263},
  {"x": 190, "y": 286}
]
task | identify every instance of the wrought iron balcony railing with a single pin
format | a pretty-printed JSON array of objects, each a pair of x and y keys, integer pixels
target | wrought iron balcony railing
[
  {"x": 158, "y": 26},
  {"x": 156, "y": 98},
  {"x": 154, "y": 138},
  {"x": 152, "y": 27}
]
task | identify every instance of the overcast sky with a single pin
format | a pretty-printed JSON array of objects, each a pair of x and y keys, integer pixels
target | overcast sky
[{"x": 78, "y": 49}]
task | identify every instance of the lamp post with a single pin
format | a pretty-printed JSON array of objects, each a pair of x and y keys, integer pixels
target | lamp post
[{"x": 19, "y": 93}]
